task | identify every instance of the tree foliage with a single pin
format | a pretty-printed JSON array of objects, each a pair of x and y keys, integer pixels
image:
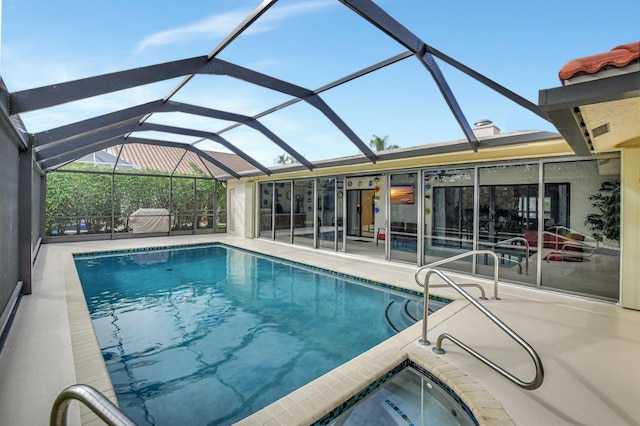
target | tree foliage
[
  {"x": 381, "y": 144},
  {"x": 284, "y": 159},
  {"x": 607, "y": 222},
  {"x": 84, "y": 197}
]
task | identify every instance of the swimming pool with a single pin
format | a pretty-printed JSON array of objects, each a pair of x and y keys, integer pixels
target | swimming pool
[{"x": 218, "y": 333}]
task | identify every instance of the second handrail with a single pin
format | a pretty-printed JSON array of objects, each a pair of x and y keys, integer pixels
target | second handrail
[
  {"x": 496, "y": 268},
  {"x": 97, "y": 402},
  {"x": 527, "y": 250},
  {"x": 539, "y": 377}
]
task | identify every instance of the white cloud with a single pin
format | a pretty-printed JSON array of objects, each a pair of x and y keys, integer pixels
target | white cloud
[
  {"x": 214, "y": 26},
  {"x": 222, "y": 24}
]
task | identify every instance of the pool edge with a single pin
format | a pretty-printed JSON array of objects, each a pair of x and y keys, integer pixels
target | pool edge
[
  {"x": 89, "y": 365},
  {"x": 314, "y": 400}
]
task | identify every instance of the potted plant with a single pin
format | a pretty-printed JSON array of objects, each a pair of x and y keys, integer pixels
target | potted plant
[{"x": 606, "y": 223}]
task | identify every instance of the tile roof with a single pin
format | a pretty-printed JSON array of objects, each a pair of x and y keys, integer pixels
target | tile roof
[
  {"x": 618, "y": 57},
  {"x": 166, "y": 159}
]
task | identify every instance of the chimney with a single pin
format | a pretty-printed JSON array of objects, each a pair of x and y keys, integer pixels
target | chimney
[{"x": 485, "y": 128}]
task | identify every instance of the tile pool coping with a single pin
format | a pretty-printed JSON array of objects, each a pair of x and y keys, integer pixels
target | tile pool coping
[
  {"x": 89, "y": 365},
  {"x": 362, "y": 394},
  {"x": 268, "y": 256},
  {"x": 314, "y": 400}
]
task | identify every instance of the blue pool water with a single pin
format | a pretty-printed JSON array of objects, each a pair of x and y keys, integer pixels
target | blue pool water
[{"x": 209, "y": 335}]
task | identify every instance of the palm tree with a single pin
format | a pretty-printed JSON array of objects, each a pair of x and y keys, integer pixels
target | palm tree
[
  {"x": 284, "y": 159},
  {"x": 380, "y": 144}
]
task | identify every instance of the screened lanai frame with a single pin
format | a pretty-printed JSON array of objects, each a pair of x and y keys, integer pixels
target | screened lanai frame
[
  {"x": 195, "y": 210},
  {"x": 55, "y": 147}
]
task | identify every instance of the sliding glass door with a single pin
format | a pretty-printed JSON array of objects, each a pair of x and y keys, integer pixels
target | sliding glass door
[
  {"x": 448, "y": 216},
  {"x": 303, "y": 217},
  {"x": 265, "y": 210},
  {"x": 403, "y": 216},
  {"x": 508, "y": 212},
  {"x": 580, "y": 247},
  {"x": 282, "y": 212},
  {"x": 327, "y": 213}
]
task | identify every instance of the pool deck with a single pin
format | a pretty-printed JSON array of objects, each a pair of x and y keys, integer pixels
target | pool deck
[{"x": 590, "y": 349}]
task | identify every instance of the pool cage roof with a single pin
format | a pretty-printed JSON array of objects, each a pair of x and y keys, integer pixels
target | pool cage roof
[{"x": 187, "y": 148}]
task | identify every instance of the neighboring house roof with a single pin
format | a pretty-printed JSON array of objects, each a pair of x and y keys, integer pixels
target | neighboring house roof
[
  {"x": 618, "y": 57},
  {"x": 103, "y": 158},
  {"x": 168, "y": 159}
]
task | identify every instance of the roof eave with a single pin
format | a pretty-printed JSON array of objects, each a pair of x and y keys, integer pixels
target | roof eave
[{"x": 562, "y": 105}]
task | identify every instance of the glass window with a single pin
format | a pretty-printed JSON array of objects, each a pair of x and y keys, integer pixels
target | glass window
[
  {"x": 328, "y": 220},
  {"x": 339, "y": 212},
  {"x": 448, "y": 216},
  {"x": 303, "y": 223},
  {"x": 507, "y": 213},
  {"x": 580, "y": 248},
  {"x": 282, "y": 211},
  {"x": 403, "y": 216},
  {"x": 265, "y": 227}
]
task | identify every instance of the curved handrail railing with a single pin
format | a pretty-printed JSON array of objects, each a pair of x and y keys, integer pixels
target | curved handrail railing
[
  {"x": 571, "y": 250},
  {"x": 527, "y": 250},
  {"x": 556, "y": 229},
  {"x": 462, "y": 256},
  {"x": 539, "y": 377},
  {"x": 93, "y": 399}
]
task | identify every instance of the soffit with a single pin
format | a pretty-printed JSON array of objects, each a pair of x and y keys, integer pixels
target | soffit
[
  {"x": 613, "y": 125},
  {"x": 598, "y": 107}
]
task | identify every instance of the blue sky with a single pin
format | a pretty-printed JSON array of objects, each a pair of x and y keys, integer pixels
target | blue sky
[{"x": 521, "y": 45}]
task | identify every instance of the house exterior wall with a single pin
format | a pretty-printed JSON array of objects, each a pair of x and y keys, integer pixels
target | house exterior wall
[
  {"x": 240, "y": 199},
  {"x": 630, "y": 230},
  {"x": 629, "y": 166},
  {"x": 248, "y": 211}
]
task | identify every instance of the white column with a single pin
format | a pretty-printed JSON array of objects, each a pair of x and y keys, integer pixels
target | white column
[{"x": 630, "y": 230}]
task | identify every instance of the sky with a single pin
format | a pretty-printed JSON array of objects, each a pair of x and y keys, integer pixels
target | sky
[{"x": 310, "y": 43}]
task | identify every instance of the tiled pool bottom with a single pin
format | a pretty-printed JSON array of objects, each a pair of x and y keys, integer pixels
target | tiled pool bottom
[{"x": 312, "y": 401}]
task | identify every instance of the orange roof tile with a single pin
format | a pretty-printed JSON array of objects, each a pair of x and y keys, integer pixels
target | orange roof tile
[{"x": 618, "y": 57}]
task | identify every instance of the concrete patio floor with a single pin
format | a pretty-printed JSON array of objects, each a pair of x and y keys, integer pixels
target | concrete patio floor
[{"x": 589, "y": 348}]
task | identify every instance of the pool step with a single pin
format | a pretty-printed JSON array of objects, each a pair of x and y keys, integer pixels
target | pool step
[{"x": 401, "y": 314}]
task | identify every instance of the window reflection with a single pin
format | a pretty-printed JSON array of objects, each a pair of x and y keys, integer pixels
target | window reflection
[{"x": 576, "y": 257}]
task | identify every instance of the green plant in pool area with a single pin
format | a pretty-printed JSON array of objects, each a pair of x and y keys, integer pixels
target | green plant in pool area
[{"x": 606, "y": 223}]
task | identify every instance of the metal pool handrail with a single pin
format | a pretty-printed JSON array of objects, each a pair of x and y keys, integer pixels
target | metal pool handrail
[
  {"x": 539, "y": 377},
  {"x": 93, "y": 399},
  {"x": 527, "y": 250},
  {"x": 496, "y": 267},
  {"x": 556, "y": 229}
]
